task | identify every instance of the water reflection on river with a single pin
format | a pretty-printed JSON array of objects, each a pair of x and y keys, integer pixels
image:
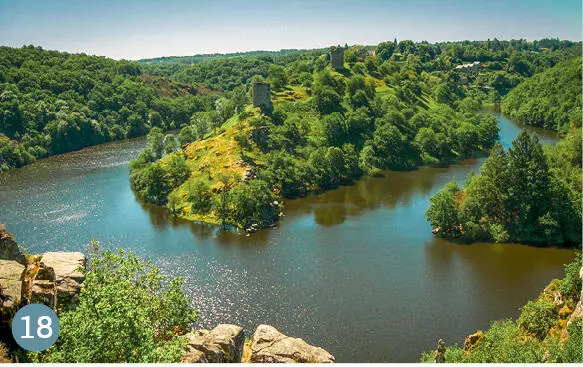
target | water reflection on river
[{"x": 355, "y": 270}]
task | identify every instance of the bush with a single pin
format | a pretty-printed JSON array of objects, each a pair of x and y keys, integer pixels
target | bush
[
  {"x": 125, "y": 314},
  {"x": 252, "y": 203},
  {"x": 198, "y": 193},
  {"x": 571, "y": 287},
  {"x": 538, "y": 317}
]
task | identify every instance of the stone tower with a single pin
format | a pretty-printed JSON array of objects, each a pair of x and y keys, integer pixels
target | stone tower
[
  {"x": 337, "y": 58},
  {"x": 262, "y": 95}
]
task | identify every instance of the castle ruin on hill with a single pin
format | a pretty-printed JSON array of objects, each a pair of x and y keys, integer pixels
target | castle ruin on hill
[
  {"x": 337, "y": 58},
  {"x": 262, "y": 95}
]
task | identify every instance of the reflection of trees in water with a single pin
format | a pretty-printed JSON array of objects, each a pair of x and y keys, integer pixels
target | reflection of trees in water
[
  {"x": 393, "y": 189},
  {"x": 161, "y": 219},
  {"x": 502, "y": 276}
]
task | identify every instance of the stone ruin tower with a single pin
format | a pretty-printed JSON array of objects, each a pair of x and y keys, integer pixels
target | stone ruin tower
[
  {"x": 337, "y": 58},
  {"x": 262, "y": 95}
]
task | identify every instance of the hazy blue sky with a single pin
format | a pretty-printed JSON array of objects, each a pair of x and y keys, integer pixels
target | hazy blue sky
[{"x": 141, "y": 28}]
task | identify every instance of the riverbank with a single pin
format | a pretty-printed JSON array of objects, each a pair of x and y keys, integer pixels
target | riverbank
[
  {"x": 547, "y": 330},
  {"x": 346, "y": 241}
]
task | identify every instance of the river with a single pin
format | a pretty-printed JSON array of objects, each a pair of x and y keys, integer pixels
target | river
[{"x": 355, "y": 270}]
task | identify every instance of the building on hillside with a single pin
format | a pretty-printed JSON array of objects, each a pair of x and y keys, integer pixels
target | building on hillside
[
  {"x": 337, "y": 58},
  {"x": 262, "y": 95}
]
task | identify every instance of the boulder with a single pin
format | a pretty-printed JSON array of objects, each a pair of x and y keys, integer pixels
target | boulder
[
  {"x": 9, "y": 248},
  {"x": 11, "y": 275},
  {"x": 66, "y": 266},
  {"x": 270, "y": 346},
  {"x": 223, "y": 344}
]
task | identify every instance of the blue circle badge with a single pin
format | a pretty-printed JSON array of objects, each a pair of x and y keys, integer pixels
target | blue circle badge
[{"x": 35, "y": 327}]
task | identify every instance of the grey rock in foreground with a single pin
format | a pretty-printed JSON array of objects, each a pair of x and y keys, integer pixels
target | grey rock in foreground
[
  {"x": 11, "y": 274},
  {"x": 223, "y": 344},
  {"x": 268, "y": 345},
  {"x": 67, "y": 267}
]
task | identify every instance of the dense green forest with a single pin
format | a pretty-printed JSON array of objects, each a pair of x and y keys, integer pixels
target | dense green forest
[
  {"x": 54, "y": 102},
  {"x": 529, "y": 193},
  {"x": 551, "y": 99},
  {"x": 403, "y": 106},
  {"x": 546, "y": 330}
]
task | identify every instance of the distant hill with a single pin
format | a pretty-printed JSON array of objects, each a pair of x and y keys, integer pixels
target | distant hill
[
  {"x": 207, "y": 57},
  {"x": 550, "y": 99}
]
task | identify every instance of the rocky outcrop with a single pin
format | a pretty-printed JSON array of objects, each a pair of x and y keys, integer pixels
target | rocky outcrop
[
  {"x": 53, "y": 278},
  {"x": 223, "y": 344},
  {"x": 270, "y": 346},
  {"x": 67, "y": 268},
  {"x": 9, "y": 248},
  {"x": 11, "y": 275}
]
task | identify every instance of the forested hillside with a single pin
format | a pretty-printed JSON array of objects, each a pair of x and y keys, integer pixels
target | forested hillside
[
  {"x": 403, "y": 106},
  {"x": 550, "y": 99},
  {"x": 54, "y": 102}
]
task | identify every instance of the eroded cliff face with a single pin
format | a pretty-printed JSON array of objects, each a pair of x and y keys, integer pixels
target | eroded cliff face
[{"x": 52, "y": 278}]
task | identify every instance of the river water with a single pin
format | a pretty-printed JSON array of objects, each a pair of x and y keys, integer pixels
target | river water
[{"x": 355, "y": 270}]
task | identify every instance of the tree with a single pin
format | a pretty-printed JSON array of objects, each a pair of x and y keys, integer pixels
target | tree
[
  {"x": 155, "y": 140},
  {"x": 443, "y": 211},
  {"x": 178, "y": 170},
  {"x": 253, "y": 203},
  {"x": 198, "y": 194},
  {"x": 529, "y": 182},
  {"x": 170, "y": 144},
  {"x": 334, "y": 129},
  {"x": 125, "y": 314},
  {"x": 385, "y": 50},
  {"x": 187, "y": 135},
  {"x": 277, "y": 77}
]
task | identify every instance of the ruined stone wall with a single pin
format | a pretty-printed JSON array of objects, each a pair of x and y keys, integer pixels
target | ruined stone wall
[
  {"x": 337, "y": 58},
  {"x": 262, "y": 95}
]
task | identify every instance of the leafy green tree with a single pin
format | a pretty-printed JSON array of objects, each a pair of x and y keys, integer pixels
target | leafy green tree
[
  {"x": 125, "y": 314},
  {"x": 198, "y": 194},
  {"x": 443, "y": 211},
  {"x": 253, "y": 203},
  {"x": 178, "y": 170},
  {"x": 155, "y": 140},
  {"x": 277, "y": 77},
  {"x": 170, "y": 144}
]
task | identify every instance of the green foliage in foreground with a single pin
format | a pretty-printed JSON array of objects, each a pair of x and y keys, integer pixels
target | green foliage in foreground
[
  {"x": 536, "y": 336},
  {"x": 551, "y": 99},
  {"x": 527, "y": 194},
  {"x": 127, "y": 312}
]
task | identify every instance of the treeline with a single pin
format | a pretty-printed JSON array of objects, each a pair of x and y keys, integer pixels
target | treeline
[
  {"x": 208, "y": 57},
  {"x": 526, "y": 194},
  {"x": 551, "y": 99},
  {"x": 54, "y": 102},
  {"x": 547, "y": 330}
]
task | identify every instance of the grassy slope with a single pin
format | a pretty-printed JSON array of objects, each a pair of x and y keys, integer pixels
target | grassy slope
[{"x": 219, "y": 156}]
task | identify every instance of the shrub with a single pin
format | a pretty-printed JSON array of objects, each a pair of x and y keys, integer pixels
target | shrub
[
  {"x": 538, "y": 317},
  {"x": 125, "y": 314},
  {"x": 199, "y": 195}
]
